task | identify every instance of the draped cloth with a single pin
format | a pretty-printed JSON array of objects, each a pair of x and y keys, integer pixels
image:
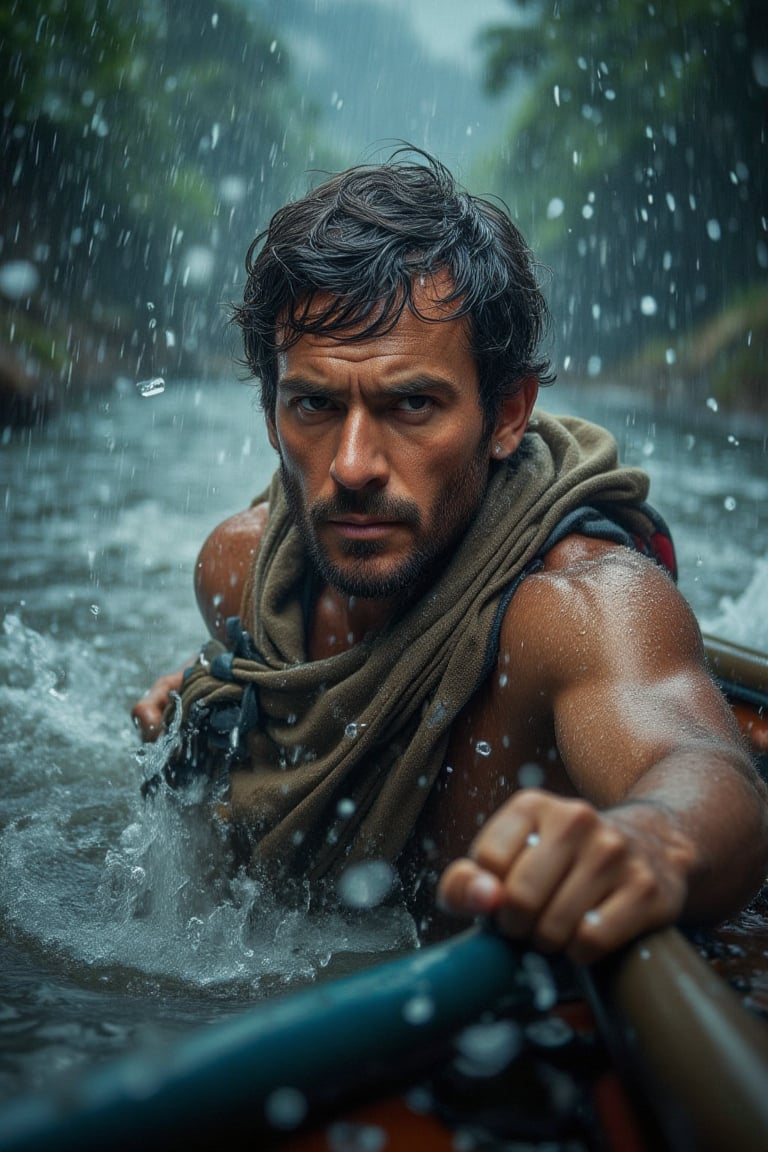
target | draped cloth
[{"x": 330, "y": 761}]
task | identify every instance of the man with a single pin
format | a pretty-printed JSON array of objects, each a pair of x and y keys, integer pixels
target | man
[{"x": 451, "y": 645}]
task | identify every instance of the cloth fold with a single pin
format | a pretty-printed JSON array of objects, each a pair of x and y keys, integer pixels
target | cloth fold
[{"x": 341, "y": 752}]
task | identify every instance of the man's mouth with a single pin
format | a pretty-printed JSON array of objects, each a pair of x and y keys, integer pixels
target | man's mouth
[{"x": 355, "y": 527}]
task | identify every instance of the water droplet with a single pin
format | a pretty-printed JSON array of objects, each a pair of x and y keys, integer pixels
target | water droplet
[
  {"x": 648, "y": 306},
  {"x": 729, "y": 503},
  {"x": 18, "y": 279},
  {"x": 530, "y": 776},
  {"x": 542, "y": 982},
  {"x": 483, "y": 748},
  {"x": 285, "y": 1108},
  {"x": 353, "y": 729},
  {"x": 347, "y": 1136},
  {"x": 94, "y": 609},
  {"x": 503, "y": 680},
  {"x": 346, "y": 808},
  {"x": 365, "y": 885},
  {"x": 555, "y": 208},
  {"x": 712, "y": 404},
  {"x": 419, "y": 1100},
  {"x": 155, "y": 386},
  {"x": 550, "y": 1033},
  {"x": 713, "y": 229},
  {"x": 419, "y": 1009},
  {"x": 486, "y": 1049}
]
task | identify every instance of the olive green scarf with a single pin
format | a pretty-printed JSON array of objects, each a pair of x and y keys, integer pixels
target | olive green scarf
[{"x": 339, "y": 761}]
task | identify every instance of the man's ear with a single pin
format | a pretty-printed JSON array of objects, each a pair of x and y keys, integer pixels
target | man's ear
[
  {"x": 272, "y": 433},
  {"x": 513, "y": 418}
]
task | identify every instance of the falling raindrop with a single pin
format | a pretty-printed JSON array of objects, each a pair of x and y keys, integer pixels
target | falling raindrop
[
  {"x": 552, "y": 1032},
  {"x": 486, "y": 1049},
  {"x": 419, "y": 1009},
  {"x": 483, "y": 748},
  {"x": 18, "y": 279},
  {"x": 530, "y": 776},
  {"x": 365, "y": 885},
  {"x": 285, "y": 1108},
  {"x": 347, "y": 1136},
  {"x": 155, "y": 386}
]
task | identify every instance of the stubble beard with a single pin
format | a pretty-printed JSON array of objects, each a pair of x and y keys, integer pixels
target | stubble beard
[{"x": 458, "y": 501}]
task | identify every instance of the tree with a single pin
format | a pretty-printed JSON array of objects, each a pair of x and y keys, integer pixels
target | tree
[
  {"x": 145, "y": 143},
  {"x": 637, "y": 161}
]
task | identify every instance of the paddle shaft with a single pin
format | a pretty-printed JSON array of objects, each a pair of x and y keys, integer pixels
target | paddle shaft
[{"x": 684, "y": 1041}]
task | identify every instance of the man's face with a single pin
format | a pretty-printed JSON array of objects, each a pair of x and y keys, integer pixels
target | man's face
[{"x": 382, "y": 451}]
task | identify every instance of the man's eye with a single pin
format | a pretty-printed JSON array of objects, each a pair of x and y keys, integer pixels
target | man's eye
[
  {"x": 415, "y": 404},
  {"x": 313, "y": 403}
]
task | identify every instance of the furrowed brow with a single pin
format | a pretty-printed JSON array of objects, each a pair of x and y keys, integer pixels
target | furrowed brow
[
  {"x": 418, "y": 385},
  {"x": 298, "y": 386}
]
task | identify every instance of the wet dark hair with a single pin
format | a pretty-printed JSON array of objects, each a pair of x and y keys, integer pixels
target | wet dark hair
[{"x": 362, "y": 237}]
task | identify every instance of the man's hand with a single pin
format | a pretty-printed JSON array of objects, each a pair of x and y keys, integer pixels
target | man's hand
[
  {"x": 148, "y": 712},
  {"x": 569, "y": 878}
]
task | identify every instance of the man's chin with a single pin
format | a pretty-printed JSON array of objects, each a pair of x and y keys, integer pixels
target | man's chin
[{"x": 371, "y": 579}]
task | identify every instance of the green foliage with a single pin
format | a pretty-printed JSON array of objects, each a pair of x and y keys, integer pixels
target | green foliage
[
  {"x": 145, "y": 143},
  {"x": 637, "y": 159}
]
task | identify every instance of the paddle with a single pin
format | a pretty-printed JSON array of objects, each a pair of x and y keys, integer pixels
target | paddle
[
  {"x": 677, "y": 1031},
  {"x": 684, "y": 1044},
  {"x": 274, "y": 1064},
  {"x": 683, "y": 1039}
]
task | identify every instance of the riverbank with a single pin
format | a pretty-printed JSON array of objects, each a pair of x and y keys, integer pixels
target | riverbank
[{"x": 714, "y": 374}]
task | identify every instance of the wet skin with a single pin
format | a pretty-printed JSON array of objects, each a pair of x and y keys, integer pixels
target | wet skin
[{"x": 601, "y": 682}]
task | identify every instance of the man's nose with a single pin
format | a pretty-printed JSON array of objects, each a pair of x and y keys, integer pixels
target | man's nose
[{"x": 360, "y": 459}]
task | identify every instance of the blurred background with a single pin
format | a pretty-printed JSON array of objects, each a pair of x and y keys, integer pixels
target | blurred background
[{"x": 143, "y": 145}]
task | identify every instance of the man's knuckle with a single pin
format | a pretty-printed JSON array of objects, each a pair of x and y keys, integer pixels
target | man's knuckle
[
  {"x": 610, "y": 847},
  {"x": 579, "y": 818},
  {"x": 521, "y": 898},
  {"x": 645, "y": 883}
]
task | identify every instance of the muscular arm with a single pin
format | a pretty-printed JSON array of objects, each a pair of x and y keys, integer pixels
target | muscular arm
[
  {"x": 221, "y": 570},
  {"x": 673, "y": 823},
  {"x": 223, "y": 565}
]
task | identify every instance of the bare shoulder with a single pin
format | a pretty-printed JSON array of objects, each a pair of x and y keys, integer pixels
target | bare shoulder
[
  {"x": 223, "y": 565},
  {"x": 615, "y": 661},
  {"x": 596, "y": 605}
]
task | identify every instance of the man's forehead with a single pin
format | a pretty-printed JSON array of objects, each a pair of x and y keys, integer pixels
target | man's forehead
[{"x": 429, "y": 293}]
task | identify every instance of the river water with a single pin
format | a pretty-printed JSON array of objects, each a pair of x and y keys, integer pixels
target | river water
[{"x": 113, "y": 931}]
